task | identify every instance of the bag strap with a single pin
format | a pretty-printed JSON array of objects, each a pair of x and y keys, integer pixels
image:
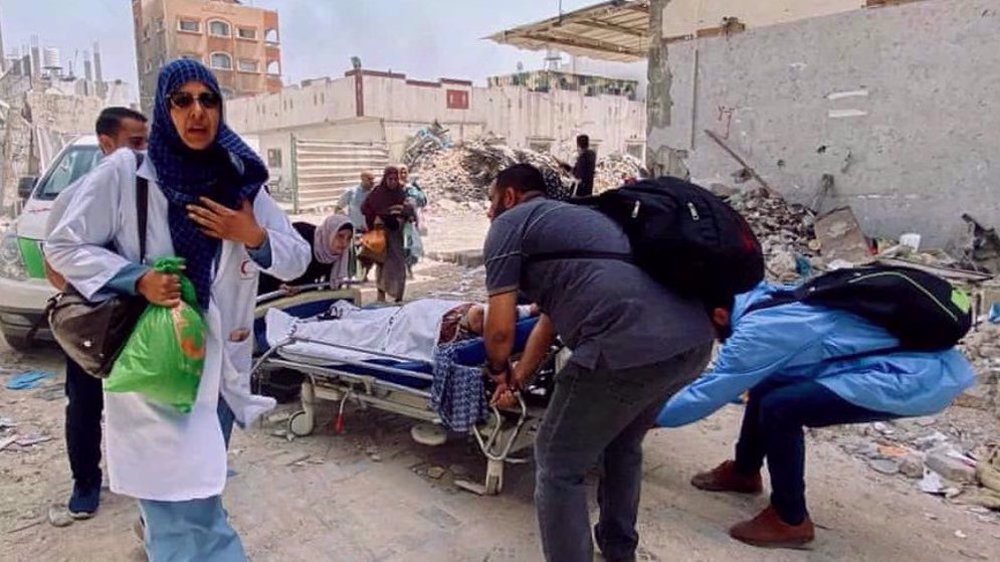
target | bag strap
[
  {"x": 579, "y": 255},
  {"x": 141, "y": 206},
  {"x": 791, "y": 297},
  {"x": 142, "y": 210}
]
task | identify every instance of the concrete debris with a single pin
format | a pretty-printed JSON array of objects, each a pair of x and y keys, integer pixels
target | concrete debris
[
  {"x": 841, "y": 237},
  {"x": 613, "y": 170},
  {"x": 988, "y": 471},
  {"x": 912, "y": 465},
  {"x": 463, "y": 172},
  {"x": 784, "y": 230},
  {"x": 982, "y": 347},
  {"x": 884, "y": 466},
  {"x": 982, "y": 248},
  {"x": 931, "y": 483},
  {"x": 436, "y": 472},
  {"x": 951, "y": 465}
]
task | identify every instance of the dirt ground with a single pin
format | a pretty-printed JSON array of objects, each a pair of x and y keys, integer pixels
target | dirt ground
[{"x": 371, "y": 493}]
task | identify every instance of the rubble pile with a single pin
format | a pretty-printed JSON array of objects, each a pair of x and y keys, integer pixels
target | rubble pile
[
  {"x": 612, "y": 170},
  {"x": 785, "y": 231},
  {"x": 982, "y": 347},
  {"x": 464, "y": 172},
  {"x": 427, "y": 141}
]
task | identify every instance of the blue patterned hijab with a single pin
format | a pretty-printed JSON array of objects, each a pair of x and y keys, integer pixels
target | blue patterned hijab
[{"x": 228, "y": 172}]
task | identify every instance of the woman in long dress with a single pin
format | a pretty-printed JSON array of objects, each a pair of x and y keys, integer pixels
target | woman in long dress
[{"x": 387, "y": 208}]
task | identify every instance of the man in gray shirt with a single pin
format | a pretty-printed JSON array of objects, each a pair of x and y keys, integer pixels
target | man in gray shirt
[{"x": 634, "y": 344}]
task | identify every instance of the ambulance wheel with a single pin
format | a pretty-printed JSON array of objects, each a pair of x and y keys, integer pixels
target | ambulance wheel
[{"x": 300, "y": 424}]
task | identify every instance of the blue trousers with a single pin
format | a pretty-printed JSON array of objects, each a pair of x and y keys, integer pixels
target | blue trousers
[
  {"x": 194, "y": 529},
  {"x": 772, "y": 429}
]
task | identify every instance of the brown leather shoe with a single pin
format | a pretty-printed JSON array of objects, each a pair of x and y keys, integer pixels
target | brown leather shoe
[
  {"x": 767, "y": 530},
  {"x": 724, "y": 478}
]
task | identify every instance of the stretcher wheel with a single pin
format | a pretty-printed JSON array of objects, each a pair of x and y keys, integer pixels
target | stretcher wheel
[
  {"x": 300, "y": 424},
  {"x": 429, "y": 434}
]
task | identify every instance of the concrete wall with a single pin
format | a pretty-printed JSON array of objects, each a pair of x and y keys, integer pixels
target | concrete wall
[
  {"x": 322, "y": 101},
  {"x": 895, "y": 102},
  {"x": 62, "y": 113},
  {"x": 404, "y": 106},
  {"x": 685, "y": 17}
]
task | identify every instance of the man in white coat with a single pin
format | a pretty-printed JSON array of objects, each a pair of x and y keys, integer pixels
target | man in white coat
[{"x": 205, "y": 203}]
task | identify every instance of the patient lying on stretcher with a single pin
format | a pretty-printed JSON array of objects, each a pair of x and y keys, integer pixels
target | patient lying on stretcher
[{"x": 413, "y": 330}]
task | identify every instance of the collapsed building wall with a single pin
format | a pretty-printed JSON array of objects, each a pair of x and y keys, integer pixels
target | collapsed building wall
[{"x": 894, "y": 102}]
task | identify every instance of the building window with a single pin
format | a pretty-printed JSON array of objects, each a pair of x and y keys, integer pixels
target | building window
[
  {"x": 271, "y": 35},
  {"x": 190, "y": 26},
  {"x": 636, "y": 149},
  {"x": 222, "y": 61},
  {"x": 274, "y": 158},
  {"x": 218, "y": 28},
  {"x": 457, "y": 99},
  {"x": 247, "y": 65},
  {"x": 274, "y": 68},
  {"x": 246, "y": 32}
]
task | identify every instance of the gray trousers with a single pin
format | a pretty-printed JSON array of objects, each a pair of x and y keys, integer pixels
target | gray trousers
[{"x": 600, "y": 415}]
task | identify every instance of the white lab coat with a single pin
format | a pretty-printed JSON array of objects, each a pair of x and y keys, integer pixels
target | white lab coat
[{"x": 154, "y": 452}]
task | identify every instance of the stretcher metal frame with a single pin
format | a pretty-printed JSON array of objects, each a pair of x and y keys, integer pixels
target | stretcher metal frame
[{"x": 499, "y": 438}]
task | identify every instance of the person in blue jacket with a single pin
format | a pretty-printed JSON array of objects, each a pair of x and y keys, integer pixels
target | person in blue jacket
[{"x": 804, "y": 366}]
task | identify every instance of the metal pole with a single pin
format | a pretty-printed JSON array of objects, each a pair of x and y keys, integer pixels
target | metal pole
[{"x": 295, "y": 175}]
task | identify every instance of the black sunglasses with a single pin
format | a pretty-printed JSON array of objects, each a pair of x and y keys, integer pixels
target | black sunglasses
[{"x": 184, "y": 100}]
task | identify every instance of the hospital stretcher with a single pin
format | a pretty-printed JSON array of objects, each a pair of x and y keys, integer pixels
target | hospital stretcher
[{"x": 397, "y": 384}]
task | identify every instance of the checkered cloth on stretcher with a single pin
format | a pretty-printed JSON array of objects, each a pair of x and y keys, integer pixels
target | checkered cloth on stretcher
[{"x": 457, "y": 394}]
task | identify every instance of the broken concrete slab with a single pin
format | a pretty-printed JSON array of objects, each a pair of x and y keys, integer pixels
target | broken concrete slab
[
  {"x": 951, "y": 465},
  {"x": 841, "y": 237},
  {"x": 465, "y": 258}
]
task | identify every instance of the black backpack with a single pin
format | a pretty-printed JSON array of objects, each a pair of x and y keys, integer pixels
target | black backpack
[
  {"x": 682, "y": 235},
  {"x": 920, "y": 309}
]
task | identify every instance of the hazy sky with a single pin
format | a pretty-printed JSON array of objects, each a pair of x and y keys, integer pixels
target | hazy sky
[{"x": 423, "y": 39}]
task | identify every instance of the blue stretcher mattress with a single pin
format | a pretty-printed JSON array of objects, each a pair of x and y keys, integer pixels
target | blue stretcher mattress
[{"x": 469, "y": 353}]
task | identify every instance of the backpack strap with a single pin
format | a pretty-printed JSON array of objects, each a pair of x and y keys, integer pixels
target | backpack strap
[
  {"x": 579, "y": 255},
  {"x": 778, "y": 299},
  {"x": 790, "y": 297}
]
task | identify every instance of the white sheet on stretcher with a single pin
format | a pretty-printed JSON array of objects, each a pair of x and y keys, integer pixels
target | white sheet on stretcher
[{"x": 410, "y": 331}]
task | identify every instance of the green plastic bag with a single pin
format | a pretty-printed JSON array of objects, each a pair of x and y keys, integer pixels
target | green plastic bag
[{"x": 164, "y": 356}]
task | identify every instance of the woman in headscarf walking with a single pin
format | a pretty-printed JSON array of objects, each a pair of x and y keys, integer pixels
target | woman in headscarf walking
[
  {"x": 387, "y": 208},
  {"x": 331, "y": 262},
  {"x": 205, "y": 204}
]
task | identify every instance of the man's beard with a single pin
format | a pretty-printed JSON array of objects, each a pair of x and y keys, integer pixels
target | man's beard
[{"x": 499, "y": 210}]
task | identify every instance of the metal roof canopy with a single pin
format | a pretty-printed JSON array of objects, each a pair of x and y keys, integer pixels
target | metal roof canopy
[{"x": 616, "y": 30}]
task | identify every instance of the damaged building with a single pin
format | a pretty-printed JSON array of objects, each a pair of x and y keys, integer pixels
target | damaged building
[
  {"x": 318, "y": 135},
  {"x": 886, "y": 98},
  {"x": 880, "y": 105}
]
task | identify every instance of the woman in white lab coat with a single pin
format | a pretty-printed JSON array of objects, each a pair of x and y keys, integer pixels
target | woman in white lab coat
[{"x": 205, "y": 204}]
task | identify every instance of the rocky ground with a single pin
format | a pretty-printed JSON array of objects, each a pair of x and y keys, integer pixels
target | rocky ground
[{"x": 372, "y": 494}]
